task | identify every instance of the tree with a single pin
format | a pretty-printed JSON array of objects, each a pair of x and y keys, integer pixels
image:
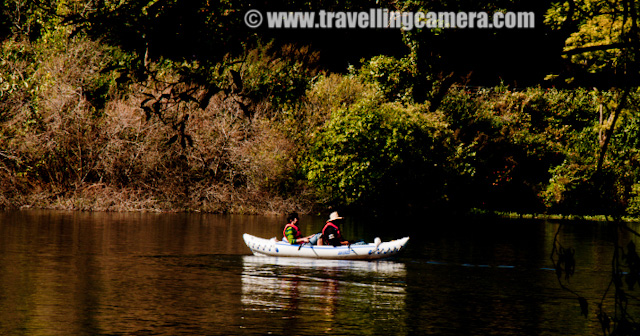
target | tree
[
  {"x": 377, "y": 154},
  {"x": 444, "y": 56},
  {"x": 602, "y": 50}
]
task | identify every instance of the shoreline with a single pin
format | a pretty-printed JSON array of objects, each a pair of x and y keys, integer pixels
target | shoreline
[
  {"x": 123, "y": 201},
  {"x": 108, "y": 199}
]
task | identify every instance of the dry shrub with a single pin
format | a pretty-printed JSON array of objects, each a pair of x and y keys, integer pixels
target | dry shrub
[
  {"x": 132, "y": 153},
  {"x": 159, "y": 146},
  {"x": 52, "y": 130},
  {"x": 245, "y": 159},
  {"x": 231, "y": 164},
  {"x": 94, "y": 197}
]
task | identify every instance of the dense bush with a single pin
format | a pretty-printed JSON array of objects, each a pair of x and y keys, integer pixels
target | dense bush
[
  {"x": 373, "y": 153},
  {"x": 394, "y": 77},
  {"x": 536, "y": 150},
  {"x": 73, "y": 137}
]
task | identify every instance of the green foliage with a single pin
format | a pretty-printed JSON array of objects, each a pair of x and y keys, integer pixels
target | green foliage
[
  {"x": 541, "y": 145},
  {"x": 577, "y": 186},
  {"x": 504, "y": 152},
  {"x": 600, "y": 40},
  {"x": 261, "y": 117},
  {"x": 371, "y": 153},
  {"x": 394, "y": 77},
  {"x": 200, "y": 30},
  {"x": 633, "y": 208},
  {"x": 328, "y": 93},
  {"x": 280, "y": 75},
  {"x": 577, "y": 189}
]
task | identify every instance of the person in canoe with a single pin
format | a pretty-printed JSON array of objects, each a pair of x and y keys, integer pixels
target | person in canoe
[
  {"x": 292, "y": 233},
  {"x": 331, "y": 232}
]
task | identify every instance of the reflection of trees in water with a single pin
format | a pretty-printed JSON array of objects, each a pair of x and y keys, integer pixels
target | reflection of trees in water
[
  {"x": 98, "y": 274},
  {"x": 330, "y": 293},
  {"x": 616, "y": 308}
]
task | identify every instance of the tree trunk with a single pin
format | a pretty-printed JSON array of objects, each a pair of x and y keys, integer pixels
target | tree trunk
[{"x": 610, "y": 130}]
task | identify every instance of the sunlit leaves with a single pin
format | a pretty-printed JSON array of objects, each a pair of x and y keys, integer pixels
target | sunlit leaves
[
  {"x": 597, "y": 31},
  {"x": 634, "y": 201},
  {"x": 602, "y": 38},
  {"x": 394, "y": 77},
  {"x": 370, "y": 152}
]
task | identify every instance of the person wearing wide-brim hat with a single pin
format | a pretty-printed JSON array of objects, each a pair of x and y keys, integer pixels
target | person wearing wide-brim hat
[
  {"x": 331, "y": 232},
  {"x": 334, "y": 216}
]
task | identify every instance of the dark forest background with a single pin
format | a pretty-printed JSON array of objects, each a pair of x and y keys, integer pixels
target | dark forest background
[{"x": 178, "y": 105}]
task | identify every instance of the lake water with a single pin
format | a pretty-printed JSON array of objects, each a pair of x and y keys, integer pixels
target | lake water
[{"x": 74, "y": 273}]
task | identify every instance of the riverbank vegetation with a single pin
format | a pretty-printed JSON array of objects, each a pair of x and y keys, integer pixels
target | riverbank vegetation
[{"x": 139, "y": 106}]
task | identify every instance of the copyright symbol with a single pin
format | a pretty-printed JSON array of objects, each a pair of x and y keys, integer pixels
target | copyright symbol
[{"x": 253, "y": 18}]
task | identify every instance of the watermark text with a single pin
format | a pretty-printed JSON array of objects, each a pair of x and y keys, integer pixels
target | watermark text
[{"x": 379, "y": 18}]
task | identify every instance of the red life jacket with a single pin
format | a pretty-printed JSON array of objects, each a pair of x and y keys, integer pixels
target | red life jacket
[
  {"x": 296, "y": 231},
  {"x": 336, "y": 240}
]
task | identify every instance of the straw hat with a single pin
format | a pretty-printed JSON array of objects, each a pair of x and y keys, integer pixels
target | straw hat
[{"x": 334, "y": 215}]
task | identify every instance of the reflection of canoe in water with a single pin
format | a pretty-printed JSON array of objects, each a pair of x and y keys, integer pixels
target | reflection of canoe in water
[
  {"x": 258, "y": 265},
  {"x": 324, "y": 289},
  {"x": 277, "y": 248}
]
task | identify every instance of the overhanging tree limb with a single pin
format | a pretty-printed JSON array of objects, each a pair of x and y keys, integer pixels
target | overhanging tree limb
[{"x": 575, "y": 51}]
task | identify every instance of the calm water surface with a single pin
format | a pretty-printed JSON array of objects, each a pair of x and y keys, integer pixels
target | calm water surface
[{"x": 72, "y": 273}]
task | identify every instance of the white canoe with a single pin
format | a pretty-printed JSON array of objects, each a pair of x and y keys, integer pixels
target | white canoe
[{"x": 278, "y": 248}]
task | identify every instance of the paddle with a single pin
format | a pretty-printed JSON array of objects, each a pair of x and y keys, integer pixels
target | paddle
[
  {"x": 350, "y": 242},
  {"x": 352, "y": 250},
  {"x": 376, "y": 241},
  {"x": 311, "y": 246},
  {"x": 299, "y": 247}
]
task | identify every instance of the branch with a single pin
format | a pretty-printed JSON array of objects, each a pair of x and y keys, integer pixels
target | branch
[
  {"x": 580, "y": 50},
  {"x": 626, "y": 227},
  {"x": 609, "y": 132}
]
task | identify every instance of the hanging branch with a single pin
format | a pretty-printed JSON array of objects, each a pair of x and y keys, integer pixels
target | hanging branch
[
  {"x": 566, "y": 263},
  {"x": 625, "y": 269}
]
